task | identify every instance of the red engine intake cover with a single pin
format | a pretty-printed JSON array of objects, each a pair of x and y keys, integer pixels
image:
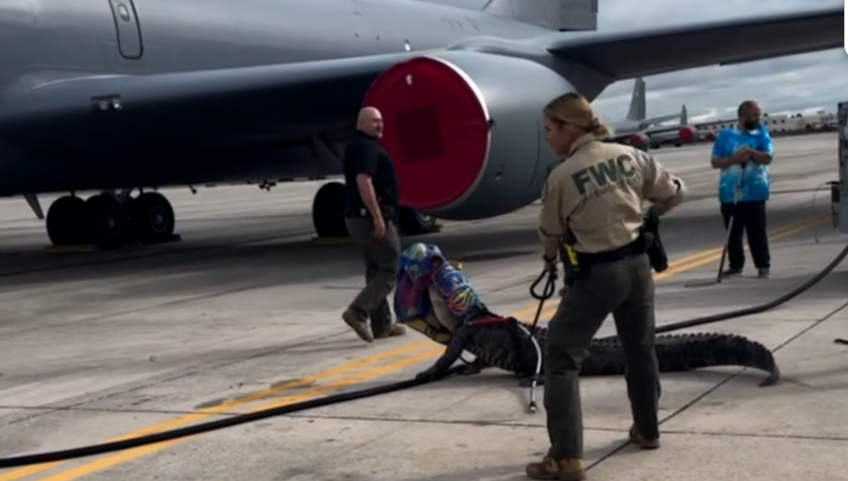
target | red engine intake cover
[
  {"x": 435, "y": 129},
  {"x": 638, "y": 140},
  {"x": 686, "y": 134}
]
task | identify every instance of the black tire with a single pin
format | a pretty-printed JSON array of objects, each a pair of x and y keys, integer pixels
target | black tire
[
  {"x": 152, "y": 218},
  {"x": 328, "y": 211},
  {"x": 107, "y": 221},
  {"x": 66, "y": 221},
  {"x": 414, "y": 223}
]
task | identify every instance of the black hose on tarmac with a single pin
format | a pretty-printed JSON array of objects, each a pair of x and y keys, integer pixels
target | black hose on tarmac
[
  {"x": 104, "y": 448},
  {"x": 97, "y": 449},
  {"x": 767, "y": 306}
]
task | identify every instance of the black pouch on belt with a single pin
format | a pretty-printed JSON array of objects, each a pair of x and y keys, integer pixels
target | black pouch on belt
[
  {"x": 571, "y": 266},
  {"x": 390, "y": 211},
  {"x": 653, "y": 242}
]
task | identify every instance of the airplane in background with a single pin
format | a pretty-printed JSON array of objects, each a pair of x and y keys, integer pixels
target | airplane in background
[
  {"x": 658, "y": 139},
  {"x": 122, "y": 96},
  {"x": 637, "y": 131}
]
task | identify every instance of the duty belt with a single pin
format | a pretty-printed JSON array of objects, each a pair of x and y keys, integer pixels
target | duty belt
[
  {"x": 577, "y": 265},
  {"x": 389, "y": 213},
  {"x": 586, "y": 260}
]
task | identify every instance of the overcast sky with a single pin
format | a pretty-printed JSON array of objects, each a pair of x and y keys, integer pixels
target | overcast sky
[{"x": 798, "y": 83}]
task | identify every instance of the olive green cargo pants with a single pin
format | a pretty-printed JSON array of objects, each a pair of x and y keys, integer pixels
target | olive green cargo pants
[{"x": 624, "y": 289}]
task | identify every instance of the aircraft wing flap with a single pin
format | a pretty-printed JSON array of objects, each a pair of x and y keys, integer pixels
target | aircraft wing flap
[
  {"x": 651, "y": 52},
  {"x": 194, "y": 107}
]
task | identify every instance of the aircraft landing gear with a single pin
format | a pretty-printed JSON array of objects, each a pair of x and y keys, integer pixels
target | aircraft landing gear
[
  {"x": 414, "y": 223},
  {"x": 152, "y": 218},
  {"x": 328, "y": 215},
  {"x": 108, "y": 222},
  {"x": 66, "y": 221},
  {"x": 328, "y": 211}
]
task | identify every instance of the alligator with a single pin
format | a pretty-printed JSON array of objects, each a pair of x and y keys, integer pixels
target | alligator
[{"x": 438, "y": 301}]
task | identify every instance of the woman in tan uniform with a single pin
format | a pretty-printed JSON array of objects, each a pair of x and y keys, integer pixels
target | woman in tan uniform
[{"x": 594, "y": 199}]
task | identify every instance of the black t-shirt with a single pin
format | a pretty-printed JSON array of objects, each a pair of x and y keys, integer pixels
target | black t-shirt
[{"x": 365, "y": 155}]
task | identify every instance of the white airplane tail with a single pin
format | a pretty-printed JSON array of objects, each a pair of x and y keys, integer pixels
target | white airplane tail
[
  {"x": 562, "y": 15},
  {"x": 684, "y": 116}
]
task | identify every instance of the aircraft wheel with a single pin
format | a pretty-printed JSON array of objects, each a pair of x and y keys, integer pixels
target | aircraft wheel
[
  {"x": 415, "y": 223},
  {"x": 152, "y": 217},
  {"x": 66, "y": 221},
  {"x": 328, "y": 211},
  {"x": 107, "y": 221}
]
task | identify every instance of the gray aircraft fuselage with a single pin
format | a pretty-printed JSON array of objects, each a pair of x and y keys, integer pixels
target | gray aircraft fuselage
[{"x": 50, "y": 40}]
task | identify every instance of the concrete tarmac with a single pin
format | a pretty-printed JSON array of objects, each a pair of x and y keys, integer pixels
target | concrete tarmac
[{"x": 243, "y": 314}]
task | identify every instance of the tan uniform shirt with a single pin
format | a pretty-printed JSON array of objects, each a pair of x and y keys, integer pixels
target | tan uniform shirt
[{"x": 598, "y": 190}]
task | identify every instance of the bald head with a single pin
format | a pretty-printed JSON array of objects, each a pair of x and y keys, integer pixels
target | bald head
[
  {"x": 749, "y": 114},
  {"x": 370, "y": 121}
]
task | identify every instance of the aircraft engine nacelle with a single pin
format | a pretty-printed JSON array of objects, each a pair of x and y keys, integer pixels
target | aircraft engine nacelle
[
  {"x": 639, "y": 140},
  {"x": 687, "y": 134},
  {"x": 465, "y": 130}
]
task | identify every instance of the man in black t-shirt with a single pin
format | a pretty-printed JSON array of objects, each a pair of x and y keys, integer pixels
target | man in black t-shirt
[{"x": 371, "y": 212}]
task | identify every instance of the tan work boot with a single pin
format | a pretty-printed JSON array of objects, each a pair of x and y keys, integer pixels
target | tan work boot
[
  {"x": 640, "y": 441},
  {"x": 359, "y": 325},
  {"x": 390, "y": 331},
  {"x": 557, "y": 469}
]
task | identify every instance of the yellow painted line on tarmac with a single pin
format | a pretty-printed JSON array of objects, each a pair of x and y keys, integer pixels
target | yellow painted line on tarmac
[
  {"x": 716, "y": 255},
  {"x": 111, "y": 460},
  {"x": 236, "y": 402}
]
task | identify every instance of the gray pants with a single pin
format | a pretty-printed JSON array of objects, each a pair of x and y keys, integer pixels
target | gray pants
[
  {"x": 626, "y": 290},
  {"x": 382, "y": 261}
]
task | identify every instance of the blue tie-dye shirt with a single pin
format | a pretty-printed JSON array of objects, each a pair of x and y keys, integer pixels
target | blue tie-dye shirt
[{"x": 756, "y": 181}]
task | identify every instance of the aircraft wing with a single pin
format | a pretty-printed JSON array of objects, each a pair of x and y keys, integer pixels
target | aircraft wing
[
  {"x": 660, "y": 118},
  {"x": 254, "y": 107},
  {"x": 655, "y": 51},
  {"x": 662, "y": 128},
  {"x": 619, "y": 136}
]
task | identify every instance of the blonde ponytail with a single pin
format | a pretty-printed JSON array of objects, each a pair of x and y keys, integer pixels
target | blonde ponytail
[
  {"x": 572, "y": 108},
  {"x": 599, "y": 129}
]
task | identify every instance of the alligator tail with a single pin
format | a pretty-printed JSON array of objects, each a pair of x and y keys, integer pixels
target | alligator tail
[
  {"x": 684, "y": 352},
  {"x": 693, "y": 351}
]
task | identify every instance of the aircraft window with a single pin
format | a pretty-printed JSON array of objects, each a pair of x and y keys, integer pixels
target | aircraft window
[{"x": 124, "y": 12}]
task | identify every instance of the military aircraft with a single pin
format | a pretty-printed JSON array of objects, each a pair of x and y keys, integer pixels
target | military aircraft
[
  {"x": 638, "y": 131},
  {"x": 690, "y": 134},
  {"x": 124, "y": 95}
]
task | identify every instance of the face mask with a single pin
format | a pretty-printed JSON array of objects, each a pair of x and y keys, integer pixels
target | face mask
[{"x": 749, "y": 124}]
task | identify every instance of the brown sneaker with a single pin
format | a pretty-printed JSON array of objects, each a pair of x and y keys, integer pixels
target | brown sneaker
[
  {"x": 390, "y": 331},
  {"x": 643, "y": 443},
  {"x": 359, "y": 325},
  {"x": 557, "y": 469}
]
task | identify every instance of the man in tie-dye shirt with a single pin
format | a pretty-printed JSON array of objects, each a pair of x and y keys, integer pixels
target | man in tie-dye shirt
[{"x": 743, "y": 153}]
